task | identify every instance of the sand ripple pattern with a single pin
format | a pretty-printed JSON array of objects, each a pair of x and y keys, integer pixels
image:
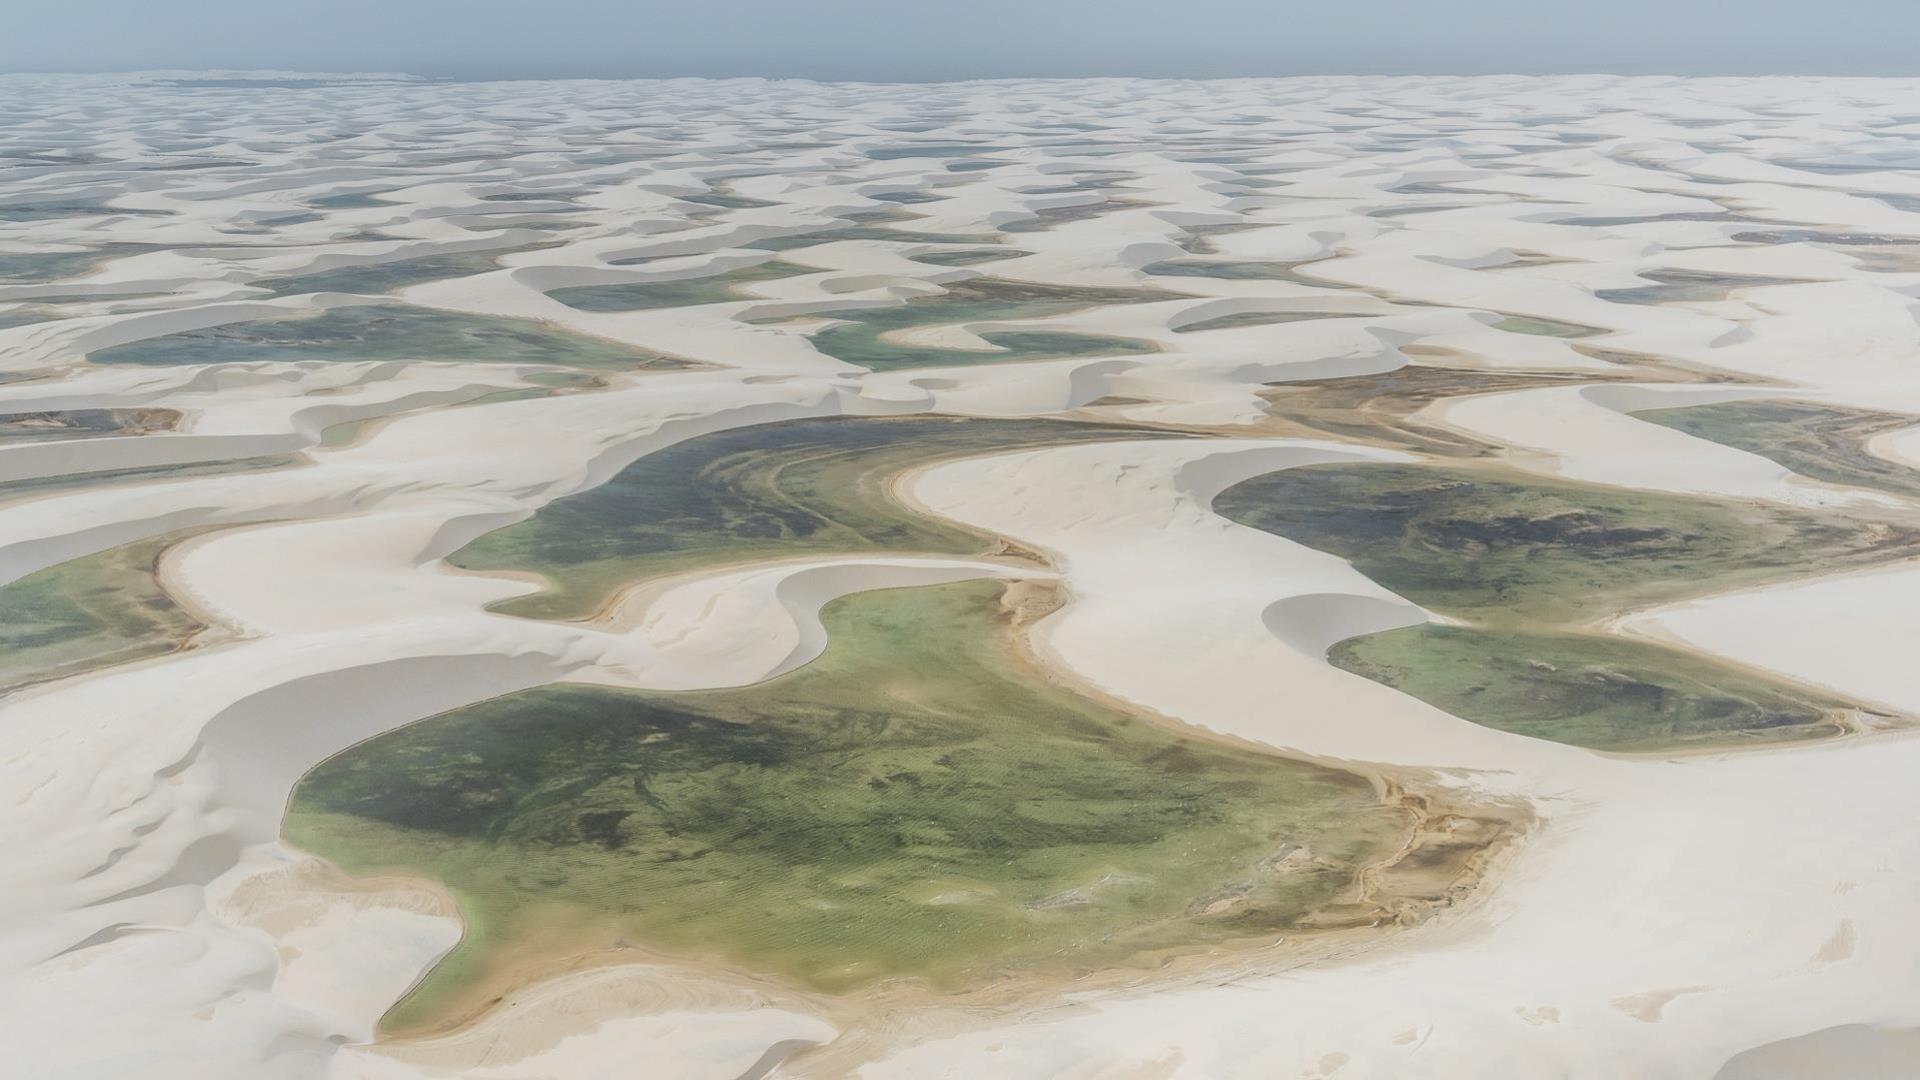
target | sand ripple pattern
[{"x": 349, "y": 300}]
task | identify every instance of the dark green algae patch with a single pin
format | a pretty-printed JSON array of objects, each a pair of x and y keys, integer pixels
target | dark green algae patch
[
  {"x": 862, "y": 340},
  {"x": 1530, "y": 567},
  {"x": 682, "y": 292},
  {"x": 1821, "y": 442},
  {"x": 384, "y": 277},
  {"x": 803, "y": 487},
  {"x": 387, "y": 332},
  {"x": 917, "y": 803},
  {"x": 88, "y": 613}
]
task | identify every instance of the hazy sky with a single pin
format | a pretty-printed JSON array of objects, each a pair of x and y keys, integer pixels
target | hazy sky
[{"x": 945, "y": 39}]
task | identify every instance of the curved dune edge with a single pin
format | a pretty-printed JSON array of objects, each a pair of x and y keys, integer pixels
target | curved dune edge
[
  {"x": 1578, "y": 869},
  {"x": 1874, "y": 604},
  {"x": 1774, "y": 883},
  {"x": 570, "y": 1006},
  {"x": 1151, "y": 568},
  {"x": 225, "y": 423},
  {"x": 1585, "y": 433},
  {"x": 725, "y": 628}
]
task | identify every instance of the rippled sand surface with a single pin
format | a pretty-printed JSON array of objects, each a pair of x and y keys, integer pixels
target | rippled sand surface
[{"x": 330, "y": 406}]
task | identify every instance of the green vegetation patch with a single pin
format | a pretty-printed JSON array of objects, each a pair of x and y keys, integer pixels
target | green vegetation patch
[
  {"x": 1239, "y": 270},
  {"x": 1589, "y": 690},
  {"x": 63, "y": 300},
  {"x": 930, "y": 150},
  {"x": 384, "y": 277},
  {"x": 1199, "y": 238},
  {"x": 82, "y": 424},
  {"x": 49, "y": 266},
  {"x": 971, "y": 257},
  {"x": 1821, "y": 236},
  {"x": 914, "y": 803},
  {"x": 893, "y": 224},
  {"x": 355, "y": 200},
  {"x": 67, "y": 484},
  {"x": 1009, "y": 347},
  {"x": 1418, "y": 208},
  {"x": 862, "y": 339},
  {"x": 386, "y": 332},
  {"x": 910, "y": 198},
  {"x": 1245, "y": 319},
  {"x": 66, "y": 208},
  {"x": 1386, "y": 409},
  {"x": 1055, "y": 216},
  {"x": 27, "y": 316},
  {"x": 105, "y": 608},
  {"x": 684, "y": 292},
  {"x": 1528, "y": 564},
  {"x": 768, "y": 490},
  {"x": 727, "y": 201},
  {"x": 1521, "y": 324},
  {"x": 1654, "y": 219},
  {"x": 1492, "y": 545},
  {"x": 1817, "y": 441},
  {"x": 1687, "y": 286},
  {"x": 860, "y": 232},
  {"x": 538, "y": 196}
]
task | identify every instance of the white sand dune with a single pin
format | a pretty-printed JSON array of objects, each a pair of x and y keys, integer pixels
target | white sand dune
[
  {"x": 191, "y": 784},
  {"x": 224, "y": 419},
  {"x": 1584, "y": 433},
  {"x": 1851, "y": 633},
  {"x": 1739, "y": 914},
  {"x": 1152, "y": 571},
  {"x": 1683, "y": 955},
  {"x": 1632, "y": 852}
]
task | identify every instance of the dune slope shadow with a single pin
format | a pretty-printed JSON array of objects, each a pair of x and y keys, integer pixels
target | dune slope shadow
[
  {"x": 67, "y": 424},
  {"x": 88, "y": 613},
  {"x": 1821, "y": 442},
  {"x": 680, "y": 292},
  {"x": 868, "y": 337},
  {"x": 795, "y": 488},
  {"x": 386, "y": 332},
  {"x": 918, "y": 802},
  {"x": 1531, "y": 568},
  {"x": 1857, "y": 1051},
  {"x": 35, "y": 267},
  {"x": 384, "y": 277}
]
